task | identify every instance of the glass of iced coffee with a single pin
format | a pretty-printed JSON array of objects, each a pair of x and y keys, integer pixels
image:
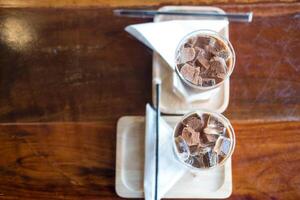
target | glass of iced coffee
[
  {"x": 204, "y": 59},
  {"x": 203, "y": 140}
]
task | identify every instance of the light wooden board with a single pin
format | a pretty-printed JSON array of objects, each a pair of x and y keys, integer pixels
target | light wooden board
[
  {"x": 172, "y": 103},
  {"x": 130, "y": 167}
]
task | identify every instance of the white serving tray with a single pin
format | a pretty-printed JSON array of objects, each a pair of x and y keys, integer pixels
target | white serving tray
[
  {"x": 171, "y": 101},
  {"x": 130, "y": 154}
]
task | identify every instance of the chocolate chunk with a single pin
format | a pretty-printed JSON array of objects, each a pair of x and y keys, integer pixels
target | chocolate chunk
[
  {"x": 211, "y": 138},
  {"x": 194, "y": 122},
  {"x": 191, "y": 74},
  {"x": 206, "y": 82},
  {"x": 202, "y": 58},
  {"x": 194, "y": 150},
  {"x": 190, "y": 136},
  {"x": 204, "y": 143},
  {"x": 179, "y": 129},
  {"x": 201, "y": 52},
  {"x": 199, "y": 161},
  {"x": 210, "y": 49},
  {"x": 218, "y": 66},
  {"x": 188, "y": 71},
  {"x": 201, "y": 61},
  {"x": 203, "y": 41},
  {"x": 192, "y": 41},
  {"x": 197, "y": 80},
  {"x": 186, "y": 55}
]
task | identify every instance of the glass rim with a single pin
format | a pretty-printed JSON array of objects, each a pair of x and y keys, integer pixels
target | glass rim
[
  {"x": 211, "y": 33},
  {"x": 227, "y": 125}
]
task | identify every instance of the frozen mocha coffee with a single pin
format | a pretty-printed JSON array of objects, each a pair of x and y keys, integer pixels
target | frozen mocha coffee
[
  {"x": 203, "y": 60},
  {"x": 203, "y": 141}
]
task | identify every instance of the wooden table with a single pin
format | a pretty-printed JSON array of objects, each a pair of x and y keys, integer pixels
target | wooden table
[{"x": 67, "y": 74}]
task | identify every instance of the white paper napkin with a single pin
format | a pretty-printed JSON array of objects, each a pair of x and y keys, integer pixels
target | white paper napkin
[
  {"x": 170, "y": 170},
  {"x": 163, "y": 37}
]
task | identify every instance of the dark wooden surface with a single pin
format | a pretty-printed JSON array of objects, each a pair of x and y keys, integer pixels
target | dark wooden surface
[
  {"x": 68, "y": 74},
  {"x": 118, "y": 3},
  {"x": 76, "y": 160}
]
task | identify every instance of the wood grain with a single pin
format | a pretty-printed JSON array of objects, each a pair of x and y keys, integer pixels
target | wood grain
[
  {"x": 59, "y": 161},
  {"x": 78, "y": 69},
  {"x": 265, "y": 155},
  {"x": 77, "y": 160},
  {"x": 75, "y": 65},
  {"x": 118, "y": 3}
]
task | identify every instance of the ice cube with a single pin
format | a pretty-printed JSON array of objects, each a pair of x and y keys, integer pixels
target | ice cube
[
  {"x": 190, "y": 160},
  {"x": 215, "y": 126},
  {"x": 200, "y": 52},
  {"x": 214, "y": 47},
  {"x": 211, "y": 137},
  {"x": 193, "y": 150},
  {"x": 198, "y": 161},
  {"x": 212, "y": 41},
  {"x": 198, "y": 150},
  {"x": 210, "y": 159},
  {"x": 186, "y": 54},
  {"x": 194, "y": 122},
  {"x": 217, "y": 130},
  {"x": 182, "y": 148},
  {"x": 197, "y": 78},
  {"x": 207, "y": 148},
  {"x": 225, "y": 54},
  {"x": 203, "y": 62},
  {"x": 218, "y": 67},
  {"x": 222, "y": 146},
  {"x": 191, "y": 41},
  {"x": 205, "y": 143},
  {"x": 206, "y": 82},
  {"x": 213, "y": 121},
  {"x": 210, "y": 49},
  {"x": 188, "y": 71},
  {"x": 191, "y": 136},
  {"x": 202, "y": 59},
  {"x": 203, "y": 41}
]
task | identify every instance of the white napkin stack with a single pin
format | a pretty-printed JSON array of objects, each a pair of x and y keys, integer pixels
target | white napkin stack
[{"x": 170, "y": 170}]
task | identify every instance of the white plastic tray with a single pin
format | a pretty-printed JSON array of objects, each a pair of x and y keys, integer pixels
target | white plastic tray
[
  {"x": 171, "y": 102},
  {"x": 130, "y": 167}
]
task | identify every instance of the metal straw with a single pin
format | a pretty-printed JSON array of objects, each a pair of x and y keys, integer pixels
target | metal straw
[
  {"x": 157, "y": 139},
  {"x": 238, "y": 17}
]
